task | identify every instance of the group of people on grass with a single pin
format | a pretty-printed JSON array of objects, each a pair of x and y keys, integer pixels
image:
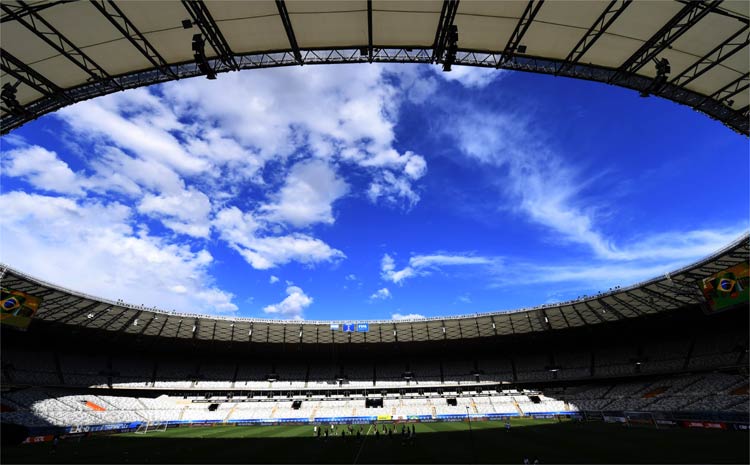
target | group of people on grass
[{"x": 406, "y": 431}]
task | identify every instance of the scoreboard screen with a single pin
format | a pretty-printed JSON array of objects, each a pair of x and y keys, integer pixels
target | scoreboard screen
[
  {"x": 727, "y": 288},
  {"x": 355, "y": 327}
]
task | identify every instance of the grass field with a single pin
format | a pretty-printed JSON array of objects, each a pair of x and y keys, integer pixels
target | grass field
[{"x": 487, "y": 442}]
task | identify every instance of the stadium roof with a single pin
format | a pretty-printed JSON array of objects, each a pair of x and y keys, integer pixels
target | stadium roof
[
  {"x": 672, "y": 291},
  {"x": 55, "y": 53}
]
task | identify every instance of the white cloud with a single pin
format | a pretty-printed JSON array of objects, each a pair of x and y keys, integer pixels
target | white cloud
[
  {"x": 273, "y": 280},
  {"x": 185, "y": 213},
  {"x": 293, "y": 305},
  {"x": 393, "y": 190},
  {"x": 68, "y": 241},
  {"x": 241, "y": 231},
  {"x": 408, "y": 316},
  {"x": 381, "y": 294},
  {"x": 351, "y": 277},
  {"x": 308, "y": 194},
  {"x": 136, "y": 121},
  {"x": 42, "y": 169},
  {"x": 420, "y": 265},
  {"x": 469, "y": 76}
]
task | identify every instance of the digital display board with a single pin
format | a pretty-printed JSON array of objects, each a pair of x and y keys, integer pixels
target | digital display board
[
  {"x": 355, "y": 327},
  {"x": 727, "y": 288},
  {"x": 17, "y": 308}
]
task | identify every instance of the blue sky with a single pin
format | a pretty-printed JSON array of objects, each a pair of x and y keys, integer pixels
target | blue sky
[{"x": 367, "y": 192}]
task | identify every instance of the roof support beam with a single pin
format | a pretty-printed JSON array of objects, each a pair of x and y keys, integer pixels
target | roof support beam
[
  {"x": 680, "y": 23},
  {"x": 611, "y": 308},
  {"x": 96, "y": 315},
  {"x": 601, "y": 318},
  {"x": 447, "y": 15},
  {"x": 52, "y": 37},
  {"x": 122, "y": 23},
  {"x": 729, "y": 47},
  {"x": 26, "y": 74},
  {"x": 78, "y": 312},
  {"x": 162, "y": 326},
  {"x": 662, "y": 297},
  {"x": 287, "y": 22},
  {"x": 202, "y": 18},
  {"x": 369, "y": 31},
  {"x": 600, "y": 26},
  {"x": 56, "y": 308},
  {"x": 529, "y": 13},
  {"x": 38, "y": 7},
  {"x": 627, "y": 305},
  {"x": 728, "y": 91}
]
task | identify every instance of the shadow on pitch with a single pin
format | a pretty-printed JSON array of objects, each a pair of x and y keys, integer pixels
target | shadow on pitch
[{"x": 550, "y": 443}]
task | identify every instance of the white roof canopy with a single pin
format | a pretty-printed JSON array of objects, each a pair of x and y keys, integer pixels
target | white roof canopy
[{"x": 55, "y": 53}]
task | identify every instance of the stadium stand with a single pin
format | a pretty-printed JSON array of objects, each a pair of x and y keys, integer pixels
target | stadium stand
[{"x": 675, "y": 361}]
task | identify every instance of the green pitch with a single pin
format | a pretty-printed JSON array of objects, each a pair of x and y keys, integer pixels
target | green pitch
[{"x": 487, "y": 442}]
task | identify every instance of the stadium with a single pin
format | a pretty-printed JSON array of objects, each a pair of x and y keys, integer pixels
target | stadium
[{"x": 647, "y": 372}]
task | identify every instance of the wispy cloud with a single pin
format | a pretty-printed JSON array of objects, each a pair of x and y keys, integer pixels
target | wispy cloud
[
  {"x": 408, "y": 316},
  {"x": 420, "y": 265}
]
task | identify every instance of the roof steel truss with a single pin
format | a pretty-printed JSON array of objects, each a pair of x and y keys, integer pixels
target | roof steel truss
[
  {"x": 112, "y": 12},
  {"x": 287, "y": 23},
  {"x": 680, "y": 23},
  {"x": 202, "y": 18},
  {"x": 529, "y": 13},
  {"x": 26, "y": 74},
  {"x": 613, "y": 10},
  {"x": 729, "y": 47},
  {"x": 50, "y": 35},
  {"x": 447, "y": 16}
]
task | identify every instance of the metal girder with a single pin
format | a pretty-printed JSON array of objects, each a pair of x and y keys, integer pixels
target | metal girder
[
  {"x": 680, "y": 23},
  {"x": 611, "y": 308},
  {"x": 122, "y": 23},
  {"x": 97, "y": 315},
  {"x": 726, "y": 49},
  {"x": 287, "y": 22},
  {"x": 109, "y": 322},
  {"x": 202, "y": 18},
  {"x": 728, "y": 91},
  {"x": 565, "y": 318},
  {"x": 55, "y": 300},
  {"x": 600, "y": 26},
  {"x": 130, "y": 321},
  {"x": 78, "y": 312},
  {"x": 369, "y": 31},
  {"x": 145, "y": 327},
  {"x": 52, "y": 37},
  {"x": 712, "y": 106},
  {"x": 601, "y": 318},
  {"x": 662, "y": 297},
  {"x": 627, "y": 305},
  {"x": 679, "y": 292},
  {"x": 26, "y": 74},
  {"x": 166, "y": 318},
  {"x": 55, "y": 308},
  {"x": 35, "y": 8},
  {"x": 447, "y": 16},
  {"x": 529, "y": 13},
  {"x": 580, "y": 317}
]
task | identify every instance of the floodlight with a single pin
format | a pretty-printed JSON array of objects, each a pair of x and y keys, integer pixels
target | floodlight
[
  {"x": 199, "y": 54},
  {"x": 8, "y": 96}
]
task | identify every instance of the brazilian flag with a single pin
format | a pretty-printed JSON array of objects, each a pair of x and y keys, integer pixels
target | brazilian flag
[
  {"x": 727, "y": 288},
  {"x": 17, "y": 308}
]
